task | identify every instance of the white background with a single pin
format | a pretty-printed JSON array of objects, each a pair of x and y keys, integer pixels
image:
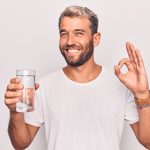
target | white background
[{"x": 29, "y": 39}]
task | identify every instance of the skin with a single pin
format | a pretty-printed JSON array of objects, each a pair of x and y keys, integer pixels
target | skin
[
  {"x": 78, "y": 40},
  {"x": 136, "y": 80},
  {"x": 21, "y": 134},
  {"x": 75, "y": 32},
  {"x": 71, "y": 28}
]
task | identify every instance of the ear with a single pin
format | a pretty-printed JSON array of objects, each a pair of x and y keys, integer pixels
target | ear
[{"x": 96, "y": 39}]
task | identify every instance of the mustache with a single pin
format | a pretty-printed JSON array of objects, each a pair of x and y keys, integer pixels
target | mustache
[{"x": 73, "y": 46}]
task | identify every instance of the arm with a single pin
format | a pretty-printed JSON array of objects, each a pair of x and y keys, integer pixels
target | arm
[
  {"x": 136, "y": 80},
  {"x": 20, "y": 133},
  {"x": 142, "y": 128}
]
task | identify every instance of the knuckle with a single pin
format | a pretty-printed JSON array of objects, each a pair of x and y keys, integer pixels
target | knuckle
[
  {"x": 14, "y": 87},
  {"x": 6, "y": 101},
  {"x": 7, "y": 86},
  {"x": 6, "y": 95},
  {"x": 10, "y": 86},
  {"x": 12, "y": 80},
  {"x": 11, "y": 101}
]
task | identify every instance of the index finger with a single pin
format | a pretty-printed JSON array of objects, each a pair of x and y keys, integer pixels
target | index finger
[
  {"x": 15, "y": 80},
  {"x": 129, "y": 51}
]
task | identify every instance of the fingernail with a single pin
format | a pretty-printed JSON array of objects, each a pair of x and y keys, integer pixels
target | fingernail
[
  {"x": 119, "y": 66},
  {"x": 17, "y": 79}
]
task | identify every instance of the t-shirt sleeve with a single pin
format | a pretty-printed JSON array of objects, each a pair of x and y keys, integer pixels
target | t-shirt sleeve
[
  {"x": 35, "y": 118},
  {"x": 131, "y": 112}
]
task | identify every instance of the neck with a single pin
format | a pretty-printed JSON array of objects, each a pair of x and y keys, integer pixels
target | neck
[{"x": 84, "y": 73}]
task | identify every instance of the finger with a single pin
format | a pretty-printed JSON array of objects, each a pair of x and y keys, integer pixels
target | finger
[
  {"x": 132, "y": 50},
  {"x": 10, "y": 101},
  {"x": 10, "y": 94},
  {"x": 126, "y": 62},
  {"x": 118, "y": 72},
  {"x": 139, "y": 58},
  {"x": 15, "y": 80},
  {"x": 30, "y": 92},
  {"x": 36, "y": 86},
  {"x": 12, "y": 87},
  {"x": 129, "y": 52}
]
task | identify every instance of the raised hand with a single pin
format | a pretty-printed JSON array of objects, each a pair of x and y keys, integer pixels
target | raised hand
[{"x": 135, "y": 78}]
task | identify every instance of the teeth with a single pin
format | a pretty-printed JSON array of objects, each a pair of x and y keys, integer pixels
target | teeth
[{"x": 72, "y": 51}]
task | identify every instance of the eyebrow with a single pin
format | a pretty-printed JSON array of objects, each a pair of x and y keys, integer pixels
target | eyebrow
[
  {"x": 63, "y": 30},
  {"x": 80, "y": 30}
]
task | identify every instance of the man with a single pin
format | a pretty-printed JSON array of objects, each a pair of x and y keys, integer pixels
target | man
[{"x": 83, "y": 105}]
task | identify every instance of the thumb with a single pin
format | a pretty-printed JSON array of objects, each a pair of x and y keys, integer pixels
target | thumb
[
  {"x": 118, "y": 72},
  {"x": 36, "y": 86}
]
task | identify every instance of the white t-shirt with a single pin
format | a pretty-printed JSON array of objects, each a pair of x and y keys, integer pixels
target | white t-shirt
[{"x": 82, "y": 116}]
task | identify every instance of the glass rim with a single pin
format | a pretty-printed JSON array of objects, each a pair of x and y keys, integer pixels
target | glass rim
[{"x": 25, "y": 72}]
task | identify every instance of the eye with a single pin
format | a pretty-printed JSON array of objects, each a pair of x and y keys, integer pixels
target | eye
[
  {"x": 79, "y": 33},
  {"x": 63, "y": 34}
]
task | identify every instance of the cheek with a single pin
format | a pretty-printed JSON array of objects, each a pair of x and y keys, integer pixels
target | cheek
[
  {"x": 84, "y": 41},
  {"x": 62, "y": 41},
  {"x": 84, "y": 44}
]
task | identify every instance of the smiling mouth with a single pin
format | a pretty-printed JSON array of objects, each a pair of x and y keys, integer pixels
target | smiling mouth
[{"x": 72, "y": 52}]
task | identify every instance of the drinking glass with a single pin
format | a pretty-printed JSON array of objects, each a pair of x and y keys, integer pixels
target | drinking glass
[{"x": 26, "y": 103}]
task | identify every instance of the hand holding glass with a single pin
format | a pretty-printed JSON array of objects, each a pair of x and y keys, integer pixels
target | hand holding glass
[{"x": 26, "y": 103}]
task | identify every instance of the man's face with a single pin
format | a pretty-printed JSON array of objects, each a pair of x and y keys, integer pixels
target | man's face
[{"x": 76, "y": 40}]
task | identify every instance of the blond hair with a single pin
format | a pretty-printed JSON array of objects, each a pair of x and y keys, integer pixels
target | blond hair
[{"x": 77, "y": 11}]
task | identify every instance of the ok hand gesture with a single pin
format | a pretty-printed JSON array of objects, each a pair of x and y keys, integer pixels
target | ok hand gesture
[{"x": 135, "y": 79}]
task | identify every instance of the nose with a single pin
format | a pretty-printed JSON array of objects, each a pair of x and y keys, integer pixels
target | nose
[{"x": 71, "y": 40}]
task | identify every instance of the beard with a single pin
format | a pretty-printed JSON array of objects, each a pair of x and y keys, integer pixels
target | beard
[{"x": 83, "y": 57}]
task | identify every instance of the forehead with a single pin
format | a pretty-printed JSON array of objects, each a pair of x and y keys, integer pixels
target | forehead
[{"x": 75, "y": 23}]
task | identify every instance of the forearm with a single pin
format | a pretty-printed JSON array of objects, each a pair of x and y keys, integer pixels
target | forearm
[
  {"x": 144, "y": 126},
  {"x": 18, "y": 131},
  {"x": 143, "y": 104}
]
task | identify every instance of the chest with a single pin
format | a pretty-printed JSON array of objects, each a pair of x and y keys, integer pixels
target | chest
[{"x": 85, "y": 105}]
